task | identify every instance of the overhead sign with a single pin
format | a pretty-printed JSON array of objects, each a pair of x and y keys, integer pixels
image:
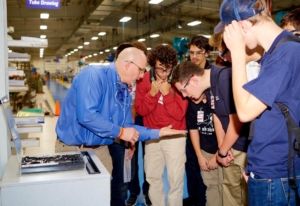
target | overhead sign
[{"x": 43, "y": 4}]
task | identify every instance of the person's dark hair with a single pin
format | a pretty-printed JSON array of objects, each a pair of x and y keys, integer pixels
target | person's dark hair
[
  {"x": 121, "y": 47},
  {"x": 200, "y": 42},
  {"x": 183, "y": 71},
  {"x": 293, "y": 17},
  {"x": 140, "y": 46},
  {"x": 166, "y": 54}
]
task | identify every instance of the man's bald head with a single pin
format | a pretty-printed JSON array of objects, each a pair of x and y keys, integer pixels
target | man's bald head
[
  {"x": 132, "y": 54},
  {"x": 130, "y": 64}
]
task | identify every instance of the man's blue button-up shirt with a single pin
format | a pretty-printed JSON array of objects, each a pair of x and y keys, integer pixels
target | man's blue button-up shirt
[{"x": 96, "y": 106}]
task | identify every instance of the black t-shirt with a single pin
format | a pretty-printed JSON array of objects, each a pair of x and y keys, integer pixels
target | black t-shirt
[
  {"x": 221, "y": 90},
  {"x": 205, "y": 127}
]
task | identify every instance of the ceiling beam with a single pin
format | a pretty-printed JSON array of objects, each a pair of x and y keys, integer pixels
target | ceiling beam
[{"x": 82, "y": 20}]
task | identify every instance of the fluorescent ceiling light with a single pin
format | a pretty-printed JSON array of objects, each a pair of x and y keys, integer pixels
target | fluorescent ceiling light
[
  {"x": 90, "y": 55},
  {"x": 125, "y": 19},
  {"x": 102, "y": 33},
  {"x": 94, "y": 38},
  {"x": 80, "y": 47},
  {"x": 101, "y": 52},
  {"x": 71, "y": 52},
  {"x": 41, "y": 48},
  {"x": 142, "y": 39},
  {"x": 154, "y": 35},
  {"x": 194, "y": 23},
  {"x": 155, "y": 1},
  {"x": 148, "y": 48},
  {"x": 9, "y": 51},
  {"x": 207, "y": 36},
  {"x": 75, "y": 50},
  {"x": 96, "y": 63},
  {"x": 43, "y": 27},
  {"x": 107, "y": 50},
  {"x": 66, "y": 55},
  {"x": 95, "y": 54},
  {"x": 43, "y": 36},
  {"x": 86, "y": 43},
  {"x": 115, "y": 48},
  {"x": 44, "y": 16}
]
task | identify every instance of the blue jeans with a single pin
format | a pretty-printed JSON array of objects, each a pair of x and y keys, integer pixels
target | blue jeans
[
  {"x": 271, "y": 191},
  {"x": 118, "y": 187},
  {"x": 134, "y": 184}
]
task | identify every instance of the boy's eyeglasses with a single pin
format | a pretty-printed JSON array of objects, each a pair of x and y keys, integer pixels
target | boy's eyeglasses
[
  {"x": 222, "y": 54},
  {"x": 187, "y": 83},
  {"x": 162, "y": 70},
  {"x": 198, "y": 53}
]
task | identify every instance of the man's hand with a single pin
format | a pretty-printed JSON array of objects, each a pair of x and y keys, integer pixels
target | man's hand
[
  {"x": 130, "y": 135},
  {"x": 226, "y": 160},
  {"x": 130, "y": 151},
  {"x": 155, "y": 85},
  {"x": 246, "y": 176},
  {"x": 203, "y": 163},
  {"x": 212, "y": 163},
  {"x": 165, "y": 88},
  {"x": 168, "y": 131}
]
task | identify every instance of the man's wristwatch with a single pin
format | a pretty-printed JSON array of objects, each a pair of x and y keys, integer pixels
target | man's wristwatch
[{"x": 221, "y": 155}]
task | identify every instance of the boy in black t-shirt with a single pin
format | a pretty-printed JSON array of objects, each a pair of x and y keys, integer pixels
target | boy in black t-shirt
[{"x": 202, "y": 133}]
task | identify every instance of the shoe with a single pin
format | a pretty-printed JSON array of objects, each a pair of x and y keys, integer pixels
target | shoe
[
  {"x": 131, "y": 200},
  {"x": 147, "y": 201}
]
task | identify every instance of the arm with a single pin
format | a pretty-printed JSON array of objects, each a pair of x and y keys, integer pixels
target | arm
[
  {"x": 219, "y": 130},
  {"x": 248, "y": 106},
  {"x": 90, "y": 86},
  {"x": 145, "y": 102},
  {"x": 195, "y": 138},
  {"x": 231, "y": 135}
]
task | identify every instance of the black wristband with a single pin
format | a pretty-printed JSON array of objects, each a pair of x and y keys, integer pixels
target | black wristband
[{"x": 221, "y": 155}]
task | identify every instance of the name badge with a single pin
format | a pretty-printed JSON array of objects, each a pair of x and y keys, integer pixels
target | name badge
[
  {"x": 160, "y": 100},
  {"x": 200, "y": 116},
  {"x": 212, "y": 102}
]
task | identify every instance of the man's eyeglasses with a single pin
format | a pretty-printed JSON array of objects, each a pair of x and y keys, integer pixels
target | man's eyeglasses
[
  {"x": 222, "y": 54},
  {"x": 187, "y": 83},
  {"x": 198, "y": 53},
  {"x": 162, "y": 70},
  {"x": 141, "y": 70}
]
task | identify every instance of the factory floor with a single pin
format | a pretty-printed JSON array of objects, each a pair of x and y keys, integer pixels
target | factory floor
[{"x": 56, "y": 90}]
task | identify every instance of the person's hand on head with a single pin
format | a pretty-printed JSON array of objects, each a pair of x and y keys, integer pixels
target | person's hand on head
[
  {"x": 165, "y": 88},
  {"x": 130, "y": 135},
  {"x": 168, "y": 131},
  {"x": 234, "y": 38}
]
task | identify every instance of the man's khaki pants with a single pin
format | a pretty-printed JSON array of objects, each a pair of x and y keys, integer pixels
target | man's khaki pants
[
  {"x": 102, "y": 153},
  {"x": 168, "y": 152},
  {"x": 235, "y": 189},
  {"x": 213, "y": 181}
]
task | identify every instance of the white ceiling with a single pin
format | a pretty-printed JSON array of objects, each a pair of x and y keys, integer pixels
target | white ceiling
[{"x": 79, "y": 20}]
